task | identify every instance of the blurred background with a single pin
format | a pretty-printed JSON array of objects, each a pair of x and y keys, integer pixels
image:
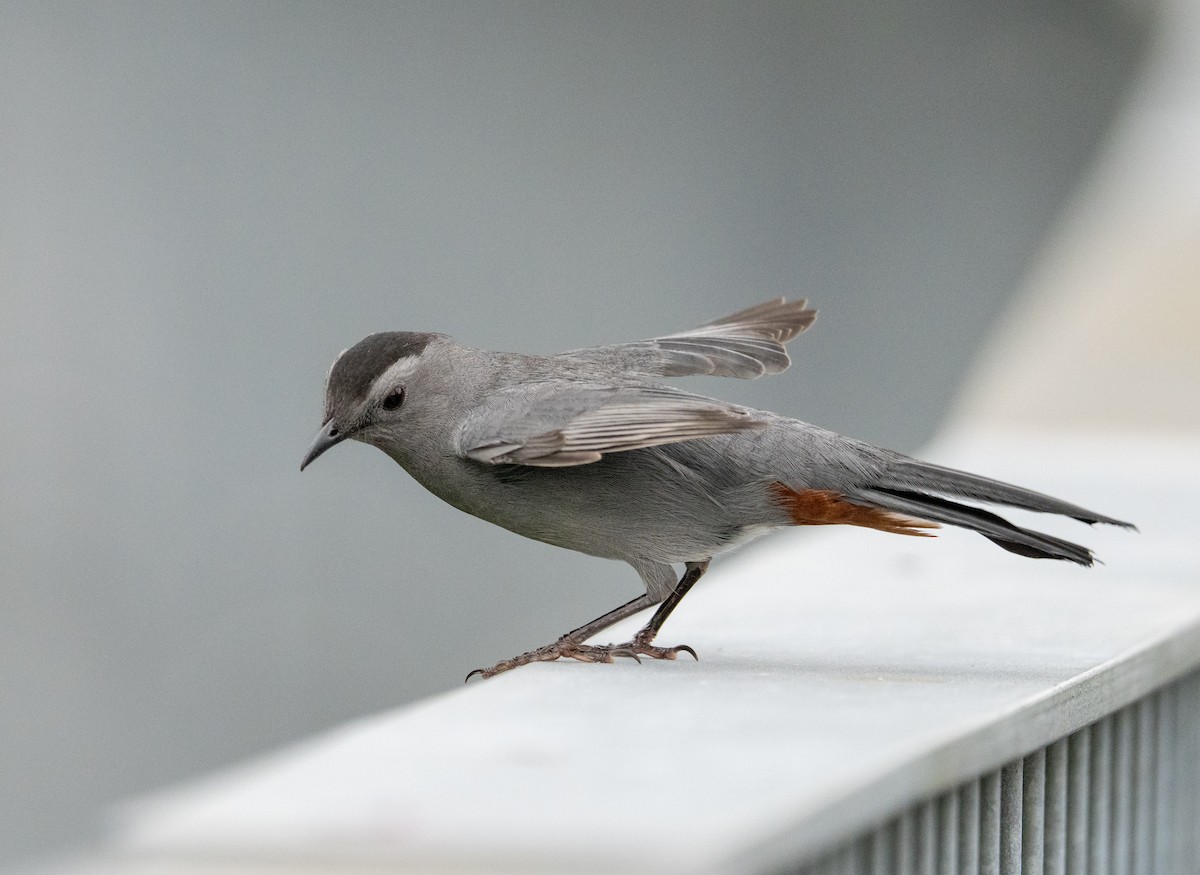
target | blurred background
[{"x": 201, "y": 204}]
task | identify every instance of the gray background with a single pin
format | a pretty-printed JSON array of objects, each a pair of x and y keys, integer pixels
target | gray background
[{"x": 201, "y": 204}]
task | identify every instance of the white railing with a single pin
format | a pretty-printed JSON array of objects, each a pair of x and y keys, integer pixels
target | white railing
[
  {"x": 1119, "y": 796},
  {"x": 862, "y": 704}
]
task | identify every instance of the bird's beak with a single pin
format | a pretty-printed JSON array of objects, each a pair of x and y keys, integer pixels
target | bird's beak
[{"x": 328, "y": 436}]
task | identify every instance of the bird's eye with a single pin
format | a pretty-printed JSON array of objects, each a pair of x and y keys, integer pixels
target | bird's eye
[{"x": 394, "y": 399}]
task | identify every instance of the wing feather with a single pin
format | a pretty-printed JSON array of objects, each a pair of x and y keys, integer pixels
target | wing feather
[
  {"x": 745, "y": 344},
  {"x": 558, "y": 423}
]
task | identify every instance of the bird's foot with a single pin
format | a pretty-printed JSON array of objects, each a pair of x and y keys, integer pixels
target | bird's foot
[
  {"x": 566, "y": 647},
  {"x": 640, "y": 646}
]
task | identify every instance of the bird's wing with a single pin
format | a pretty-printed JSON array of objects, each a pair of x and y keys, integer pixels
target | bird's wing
[
  {"x": 559, "y": 423},
  {"x": 746, "y": 344}
]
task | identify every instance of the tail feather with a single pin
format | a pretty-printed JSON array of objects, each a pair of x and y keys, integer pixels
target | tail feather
[
  {"x": 996, "y": 529},
  {"x": 912, "y": 475}
]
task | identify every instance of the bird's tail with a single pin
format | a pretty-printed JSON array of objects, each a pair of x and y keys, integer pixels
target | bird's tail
[{"x": 924, "y": 491}]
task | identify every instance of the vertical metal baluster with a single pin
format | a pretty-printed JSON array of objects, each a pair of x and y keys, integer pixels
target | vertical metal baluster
[
  {"x": 823, "y": 867},
  {"x": 906, "y": 844},
  {"x": 1011, "y": 796},
  {"x": 948, "y": 833},
  {"x": 1100, "y": 809},
  {"x": 989, "y": 825},
  {"x": 927, "y": 838},
  {"x": 1079, "y": 779},
  {"x": 1033, "y": 813},
  {"x": 1124, "y": 728},
  {"x": 969, "y": 841},
  {"x": 1188, "y": 723},
  {"x": 1144, "y": 775},
  {"x": 843, "y": 862},
  {"x": 1055, "y": 826},
  {"x": 1165, "y": 783},
  {"x": 1180, "y": 826},
  {"x": 859, "y": 855},
  {"x": 883, "y": 850},
  {"x": 863, "y": 859}
]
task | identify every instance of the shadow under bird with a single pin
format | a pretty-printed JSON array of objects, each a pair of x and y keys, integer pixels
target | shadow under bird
[{"x": 586, "y": 450}]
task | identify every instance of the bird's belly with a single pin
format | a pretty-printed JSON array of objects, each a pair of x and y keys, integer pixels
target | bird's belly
[
  {"x": 608, "y": 509},
  {"x": 633, "y": 522}
]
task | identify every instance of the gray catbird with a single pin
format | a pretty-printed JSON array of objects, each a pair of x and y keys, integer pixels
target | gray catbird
[{"x": 587, "y": 451}]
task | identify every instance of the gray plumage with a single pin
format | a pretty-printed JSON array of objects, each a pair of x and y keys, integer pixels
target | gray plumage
[
  {"x": 745, "y": 344},
  {"x": 560, "y": 423},
  {"x": 584, "y": 450}
]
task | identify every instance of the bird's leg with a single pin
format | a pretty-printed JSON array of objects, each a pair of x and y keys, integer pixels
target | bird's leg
[
  {"x": 571, "y": 645},
  {"x": 640, "y": 645}
]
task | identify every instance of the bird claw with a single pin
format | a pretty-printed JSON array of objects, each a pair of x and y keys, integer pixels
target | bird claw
[
  {"x": 567, "y": 648},
  {"x": 683, "y": 648},
  {"x": 622, "y": 650},
  {"x": 645, "y": 648}
]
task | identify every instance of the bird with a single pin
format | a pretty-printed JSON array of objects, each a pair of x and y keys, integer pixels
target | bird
[{"x": 590, "y": 450}]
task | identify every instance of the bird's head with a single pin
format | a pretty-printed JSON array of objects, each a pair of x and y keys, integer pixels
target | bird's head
[{"x": 366, "y": 390}]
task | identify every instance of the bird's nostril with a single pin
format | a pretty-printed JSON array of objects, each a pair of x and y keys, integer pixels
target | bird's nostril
[{"x": 333, "y": 432}]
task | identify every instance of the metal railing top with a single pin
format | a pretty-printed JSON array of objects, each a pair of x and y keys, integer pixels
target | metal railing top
[{"x": 843, "y": 675}]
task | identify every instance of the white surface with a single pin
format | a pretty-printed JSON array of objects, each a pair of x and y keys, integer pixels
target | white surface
[{"x": 841, "y": 672}]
